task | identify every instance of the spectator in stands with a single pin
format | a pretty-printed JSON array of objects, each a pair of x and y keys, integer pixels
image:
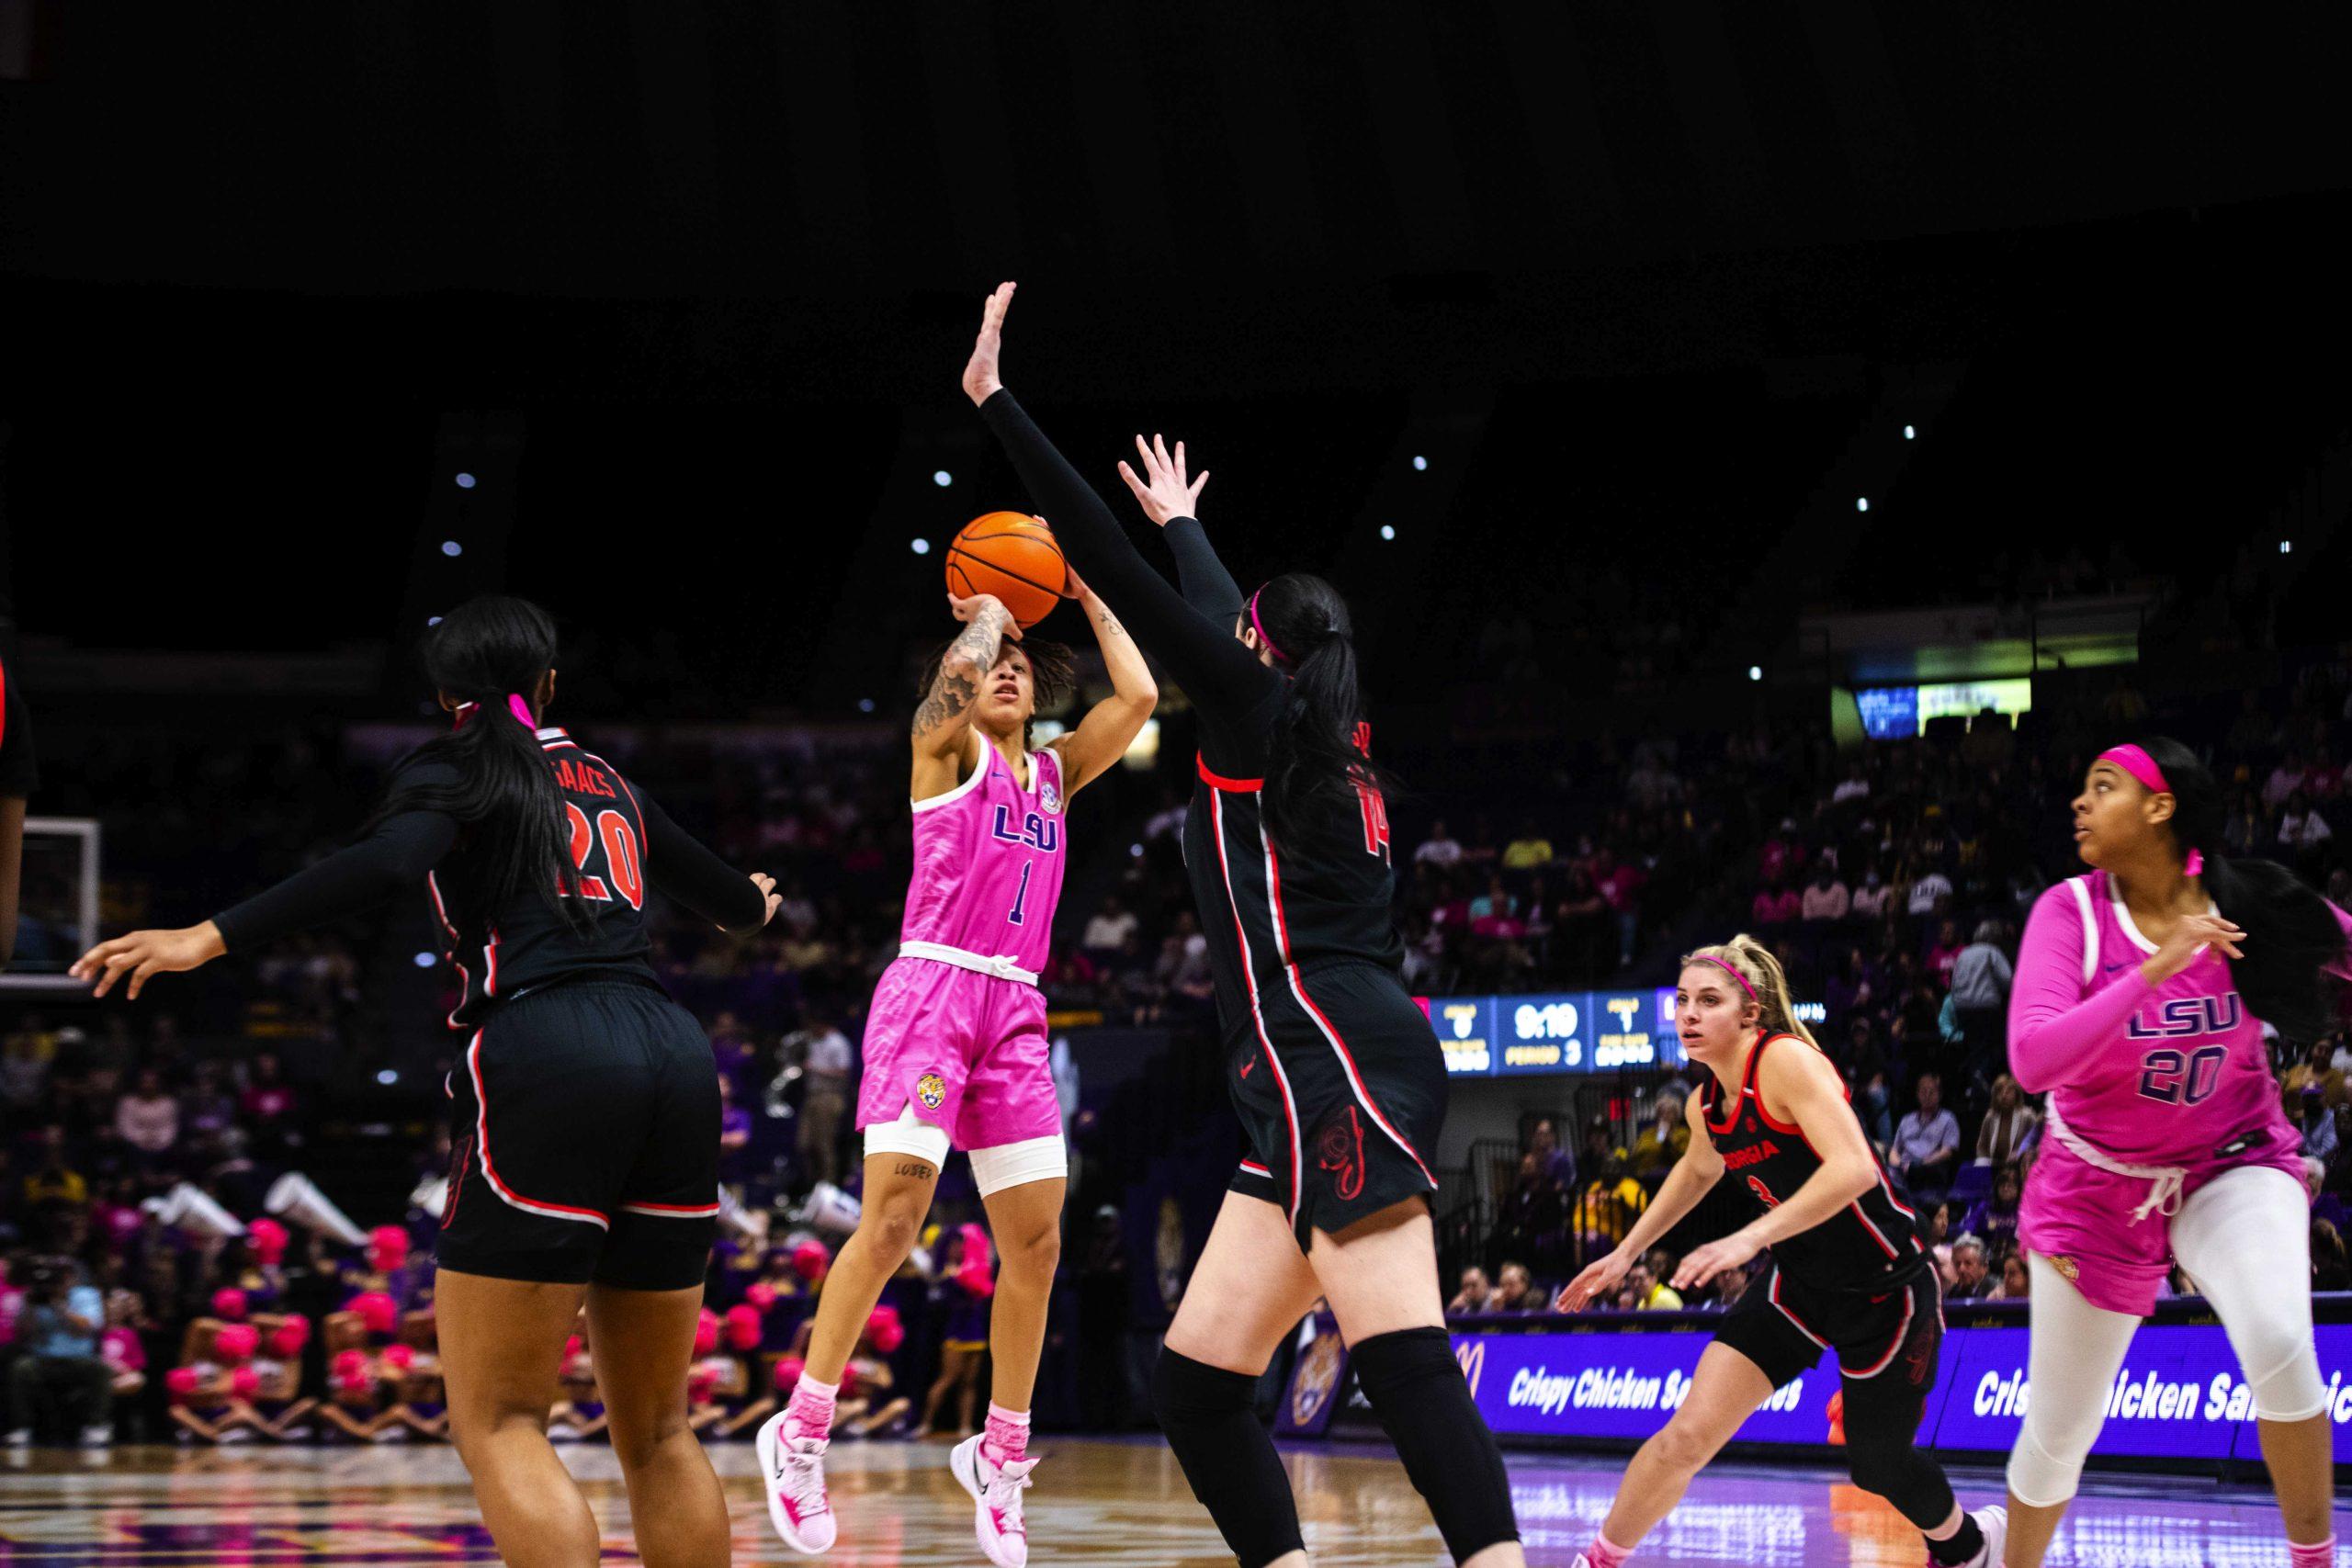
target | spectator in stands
[
  {"x": 1944, "y": 957},
  {"x": 1516, "y": 1290},
  {"x": 1439, "y": 849},
  {"x": 1930, "y": 889},
  {"x": 1662, "y": 1142},
  {"x": 267, "y": 1107},
  {"x": 1827, "y": 899},
  {"x": 1995, "y": 1217},
  {"x": 1108, "y": 932},
  {"x": 1556, "y": 1162},
  {"x": 1534, "y": 1214},
  {"x": 2017, "y": 1280},
  {"x": 1873, "y": 900},
  {"x": 827, "y": 1063},
  {"x": 1981, "y": 978},
  {"x": 1730, "y": 1285},
  {"x": 2285, "y": 780},
  {"x": 2331, "y": 1268},
  {"x": 2317, "y": 1068},
  {"x": 2317, "y": 1124},
  {"x": 53, "y": 1180},
  {"x": 1775, "y": 906},
  {"x": 1597, "y": 1145},
  {"x": 147, "y": 1117},
  {"x": 1621, "y": 889},
  {"x": 2010, "y": 1128},
  {"x": 1608, "y": 1207},
  {"x": 1969, "y": 1272},
  {"x": 56, "y": 1330},
  {"x": 1474, "y": 1294},
  {"x": 1855, "y": 785},
  {"x": 1927, "y": 1142},
  {"x": 1529, "y": 851},
  {"x": 1649, "y": 1292},
  {"x": 2303, "y": 833}
]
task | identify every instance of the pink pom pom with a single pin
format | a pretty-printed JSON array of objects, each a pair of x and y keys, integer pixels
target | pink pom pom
[
  {"x": 229, "y": 1302},
  {"x": 760, "y": 1295},
  {"x": 378, "y": 1314},
  {"x": 400, "y": 1356},
  {"x": 706, "y": 1332},
  {"x": 299, "y": 1329},
  {"x": 744, "y": 1327},
  {"x": 285, "y": 1343},
  {"x": 572, "y": 1346},
  {"x": 387, "y": 1247},
  {"x": 268, "y": 1238},
  {"x": 788, "y": 1374},
  {"x": 349, "y": 1364},
  {"x": 353, "y": 1382},
  {"x": 701, "y": 1383},
  {"x": 181, "y": 1381},
  {"x": 887, "y": 1337},
  {"x": 810, "y": 1259},
  {"x": 244, "y": 1382},
  {"x": 849, "y": 1382},
  {"x": 237, "y": 1341}
]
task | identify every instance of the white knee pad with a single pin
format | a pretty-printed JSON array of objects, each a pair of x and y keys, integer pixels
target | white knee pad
[
  {"x": 2246, "y": 1236},
  {"x": 2076, "y": 1351},
  {"x": 909, "y": 1134},
  {"x": 1011, "y": 1165},
  {"x": 2282, "y": 1370},
  {"x": 2040, "y": 1479}
]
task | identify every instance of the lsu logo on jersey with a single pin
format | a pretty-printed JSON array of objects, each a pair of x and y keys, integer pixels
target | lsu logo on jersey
[
  {"x": 931, "y": 1088},
  {"x": 2188, "y": 1015},
  {"x": 1035, "y": 830}
]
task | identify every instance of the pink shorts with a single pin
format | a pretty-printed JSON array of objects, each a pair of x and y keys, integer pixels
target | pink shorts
[
  {"x": 2079, "y": 1217},
  {"x": 966, "y": 1051}
]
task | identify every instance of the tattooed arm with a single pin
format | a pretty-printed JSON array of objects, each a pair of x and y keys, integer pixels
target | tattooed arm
[
  {"x": 1103, "y": 735},
  {"x": 943, "y": 726}
]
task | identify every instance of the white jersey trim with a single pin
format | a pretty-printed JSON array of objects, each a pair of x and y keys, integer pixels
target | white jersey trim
[
  {"x": 998, "y": 967},
  {"x": 2080, "y": 886}
]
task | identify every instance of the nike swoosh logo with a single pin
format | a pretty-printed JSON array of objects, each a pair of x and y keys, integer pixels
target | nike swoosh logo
[
  {"x": 2112, "y": 968},
  {"x": 1248, "y": 1065}
]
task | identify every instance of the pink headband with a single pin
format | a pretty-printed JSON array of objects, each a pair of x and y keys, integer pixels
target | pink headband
[
  {"x": 2136, "y": 761},
  {"x": 515, "y": 705},
  {"x": 1703, "y": 958},
  {"x": 1259, "y": 626}
]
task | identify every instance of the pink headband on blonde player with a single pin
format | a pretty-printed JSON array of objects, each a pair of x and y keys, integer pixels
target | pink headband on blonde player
[
  {"x": 1703, "y": 958},
  {"x": 2136, "y": 761},
  {"x": 515, "y": 705},
  {"x": 1259, "y": 626}
]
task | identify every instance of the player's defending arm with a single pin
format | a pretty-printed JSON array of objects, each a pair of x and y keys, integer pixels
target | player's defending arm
[
  {"x": 1202, "y": 653},
  {"x": 1796, "y": 1085},
  {"x": 684, "y": 869},
  {"x": 1169, "y": 497},
  {"x": 1102, "y": 737},
  {"x": 1694, "y": 1176},
  {"x": 943, "y": 717}
]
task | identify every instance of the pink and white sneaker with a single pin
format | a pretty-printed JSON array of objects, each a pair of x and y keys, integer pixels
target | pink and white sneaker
[
  {"x": 793, "y": 1469},
  {"x": 996, "y": 1495}
]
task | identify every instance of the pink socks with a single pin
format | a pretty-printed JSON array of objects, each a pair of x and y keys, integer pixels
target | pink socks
[
  {"x": 1606, "y": 1554},
  {"x": 810, "y": 1414},
  {"x": 2319, "y": 1554},
  {"x": 1006, "y": 1438}
]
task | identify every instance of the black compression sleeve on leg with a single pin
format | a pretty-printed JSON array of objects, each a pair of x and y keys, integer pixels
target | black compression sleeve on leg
[
  {"x": 1211, "y": 1421},
  {"x": 1881, "y": 1431},
  {"x": 1417, "y": 1390}
]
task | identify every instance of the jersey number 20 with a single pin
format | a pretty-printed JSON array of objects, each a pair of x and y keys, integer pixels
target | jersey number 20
[
  {"x": 622, "y": 863},
  {"x": 2177, "y": 1078}
]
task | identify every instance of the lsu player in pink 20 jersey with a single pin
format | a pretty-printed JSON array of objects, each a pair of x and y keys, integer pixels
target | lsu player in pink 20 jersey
[
  {"x": 2142, "y": 990},
  {"x": 956, "y": 1048}
]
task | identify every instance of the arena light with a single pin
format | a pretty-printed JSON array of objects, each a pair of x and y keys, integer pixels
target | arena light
[
  {"x": 451, "y": 547},
  {"x": 2286, "y": 546},
  {"x": 1421, "y": 464},
  {"x": 1756, "y": 671},
  {"x": 422, "y": 960},
  {"x": 1862, "y": 504},
  {"x": 1910, "y": 432},
  {"x": 941, "y": 478},
  {"x": 465, "y": 482},
  {"x": 1386, "y": 532},
  {"x": 865, "y": 705},
  {"x": 1135, "y": 850},
  {"x": 921, "y": 547},
  {"x": 388, "y": 1077},
  {"x": 432, "y": 620}
]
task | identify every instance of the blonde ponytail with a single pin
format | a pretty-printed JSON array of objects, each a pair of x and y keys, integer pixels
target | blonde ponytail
[{"x": 1754, "y": 963}]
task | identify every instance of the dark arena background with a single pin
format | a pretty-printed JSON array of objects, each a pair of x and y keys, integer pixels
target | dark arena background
[{"x": 1768, "y": 454}]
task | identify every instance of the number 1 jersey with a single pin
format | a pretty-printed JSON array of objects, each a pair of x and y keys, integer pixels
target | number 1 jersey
[{"x": 989, "y": 862}]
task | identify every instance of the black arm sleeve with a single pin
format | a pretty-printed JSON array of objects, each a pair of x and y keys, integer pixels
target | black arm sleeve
[
  {"x": 682, "y": 869},
  {"x": 1208, "y": 587},
  {"x": 395, "y": 856},
  {"x": 1202, "y": 653}
]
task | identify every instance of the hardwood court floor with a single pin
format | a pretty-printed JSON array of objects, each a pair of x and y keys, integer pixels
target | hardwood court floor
[{"x": 1097, "y": 1501}]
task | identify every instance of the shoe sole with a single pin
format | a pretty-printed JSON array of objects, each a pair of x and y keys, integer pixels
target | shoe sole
[
  {"x": 766, "y": 1442},
  {"x": 961, "y": 1464}
]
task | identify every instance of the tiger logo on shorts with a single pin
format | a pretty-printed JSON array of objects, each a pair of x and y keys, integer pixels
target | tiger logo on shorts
[{"x": 931, "y": 1088}]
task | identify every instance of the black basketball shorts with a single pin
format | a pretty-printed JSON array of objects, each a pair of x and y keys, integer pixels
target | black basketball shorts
[
  {"x": 584, "y": 1141},
  {"x": 1341, "y": 1087},
  {"x": 1887, "y": 1341}
]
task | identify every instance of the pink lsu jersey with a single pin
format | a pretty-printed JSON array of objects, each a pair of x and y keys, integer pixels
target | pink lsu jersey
[
  {"x": 989, "y": 862},
  {"x": 2162, "y": 1076}
]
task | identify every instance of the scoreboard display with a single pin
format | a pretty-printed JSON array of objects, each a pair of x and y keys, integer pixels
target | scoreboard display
[{"x": 1556, "y": 1032}]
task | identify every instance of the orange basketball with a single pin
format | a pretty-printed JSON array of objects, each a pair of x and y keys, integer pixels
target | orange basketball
[{"x": 1013, "y": 556}]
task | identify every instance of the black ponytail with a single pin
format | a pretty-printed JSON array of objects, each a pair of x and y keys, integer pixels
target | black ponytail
[
  {"x": 505, "y": 795},
  {"x": 2291, "y": 935},
  {"x": 1318, "y": 755}
]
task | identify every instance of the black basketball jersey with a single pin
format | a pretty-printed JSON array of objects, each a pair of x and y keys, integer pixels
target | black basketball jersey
[
  {"x": 501, "y": 954},
  {"x": 1871, "y": 1242},
  {"x": 1319, "y": 896}
]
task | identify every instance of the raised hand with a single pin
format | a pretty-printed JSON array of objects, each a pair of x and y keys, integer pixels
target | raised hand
[
  {"x": 143, "y": 953},
  {"x": 1169, "y": 492},
  {"x": 766, "y": 884},
  {"x": 982, "y": 377},
  {"x": 985, "y": 610}
]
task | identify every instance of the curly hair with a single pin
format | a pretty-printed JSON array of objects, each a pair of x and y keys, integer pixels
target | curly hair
[{"x": 1053, "y": 673}]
